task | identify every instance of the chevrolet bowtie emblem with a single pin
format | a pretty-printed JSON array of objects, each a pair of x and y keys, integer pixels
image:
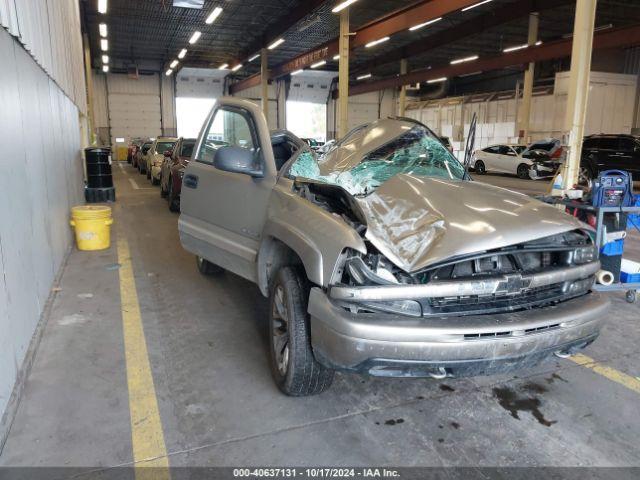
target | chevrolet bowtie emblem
[{"x": 513, "y": 284}]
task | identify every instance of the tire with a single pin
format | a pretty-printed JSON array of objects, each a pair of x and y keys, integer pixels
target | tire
[
  {"x": 295, "y": 370},
  {"x": 148, "y": 171},
  {"x": 523, "y": 171},
  {"x": 163, "y": 192},
  {"x": 205, "y": 267},
  {"x": 174, "y": 202},
  {"x": 154, "y": 180},
  {"x": 479, "y": 167}
]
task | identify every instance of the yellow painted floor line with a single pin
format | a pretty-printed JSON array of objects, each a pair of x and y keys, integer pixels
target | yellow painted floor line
[
  {"x": 146, "y": 427},
  {"x": 612, "y": 374}
]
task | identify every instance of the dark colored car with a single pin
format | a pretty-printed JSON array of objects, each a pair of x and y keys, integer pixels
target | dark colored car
[
  {"x": 139, "y": 161},
  {"x": 173, "y": 170},
  {"x": 610, "y": 152}
]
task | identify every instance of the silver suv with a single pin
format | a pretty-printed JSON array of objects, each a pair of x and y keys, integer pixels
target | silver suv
[{"x": 383, "y": 256}]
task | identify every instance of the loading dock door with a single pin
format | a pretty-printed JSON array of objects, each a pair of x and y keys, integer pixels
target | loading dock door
[{"x": 196, "y": 92}]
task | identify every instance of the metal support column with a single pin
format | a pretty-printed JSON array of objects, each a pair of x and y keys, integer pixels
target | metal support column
[
  {"x": 402, "y": 102},
  {"x": 343, "y": 74},
  {"x": 264, "y": 82},
  {"x": 89, "y": 83},
  {"x": 527, "y": 92},
  {"x": 578, "y": 87}
]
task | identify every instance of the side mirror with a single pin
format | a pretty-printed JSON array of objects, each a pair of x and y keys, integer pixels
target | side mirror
[{"x": 237, "y": 160}]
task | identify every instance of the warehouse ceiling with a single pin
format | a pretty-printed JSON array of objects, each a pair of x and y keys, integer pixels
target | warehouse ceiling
[{"x": 150, "y": 33}]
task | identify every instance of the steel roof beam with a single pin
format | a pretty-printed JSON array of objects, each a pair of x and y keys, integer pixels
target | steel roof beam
[{"x": 620, "y": 37}]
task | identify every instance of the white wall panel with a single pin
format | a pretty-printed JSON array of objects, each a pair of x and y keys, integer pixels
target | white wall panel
[
  {"x": 255, "y": 94},
  {"x": 39, "y": 182},
  {"x": 200, "y": 82}
]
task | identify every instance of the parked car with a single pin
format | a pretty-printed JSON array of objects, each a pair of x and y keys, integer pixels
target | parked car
[
  {"x": 140, "y": 160},
  {"x": 447, "y": 143},
  {"x": 502, "y": 159},
  {"x": 546, "y": 156},
  {"x": 610, "y": 152},
  {"x": 313, "y": 143},
  {"x": 133, "y": 148},
  {"x": 173, "y": 170},
  {"x": 383, "y": 256},
  {"x": 156, "y": 155}
]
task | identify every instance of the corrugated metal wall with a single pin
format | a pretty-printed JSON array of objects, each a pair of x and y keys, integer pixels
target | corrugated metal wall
[
  {"x": 41, "y": 177},
  {"x": 50, "y": 31}
]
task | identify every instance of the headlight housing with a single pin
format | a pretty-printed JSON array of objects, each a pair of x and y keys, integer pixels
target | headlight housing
[{"x": 585, "y": 254}]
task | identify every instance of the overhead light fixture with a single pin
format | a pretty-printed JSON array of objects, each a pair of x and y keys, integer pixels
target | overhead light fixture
[
  {"x": 376, "y": 42},
  {"x": 539, "y": 42},
  {"x": 104, "y": 44},
  {"x": 520, "y": 47},
  {"x": 102, "y": 6},
  {"x": 105, "y": 58},
  {"x": 168, "y": 72},
  {"x": 224, "y": 66},
  {"x": 102, "y": 28},
  {"x": 182, "y": 53},
  {"x": 105, "y": 68},
  {"x": 319, "y": 64},
  {"x": 343, "y": 5},
  {"x": 470, "y": 74},
  {"x": 297, "y": 72},
  {"x": 236, "y": 68},
  {"x": 475, "y": 5},
  {"x": 465, "y": 59},
  {"x": 174, "y": 64},
  {"x": 194, "y": 38},
  {"x": 437, "y": 80},
  {"x": 363, "y": 77},
  {"x": 215, "y": 13},
  {"x": 336, "y": 57},
  {"x": 419, "y": 26},
  {"x": 254, "y": 57},
  {"x": 275, "y": 44}
]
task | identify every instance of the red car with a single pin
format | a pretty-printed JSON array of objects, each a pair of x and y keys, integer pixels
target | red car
[{"x": 173, "y": 170}]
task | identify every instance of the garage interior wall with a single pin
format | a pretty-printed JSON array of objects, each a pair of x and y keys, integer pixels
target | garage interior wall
[
  {"x": 255, "y": 94},
  {"x": 363, "y": 109},
  {"x": 608, "y": 111},
  {"x": 42, "y": 93},
  {"x": 127, "y": 107}
]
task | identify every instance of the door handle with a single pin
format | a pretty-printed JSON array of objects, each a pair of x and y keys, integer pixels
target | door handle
[{"x": 190, "y": 181}]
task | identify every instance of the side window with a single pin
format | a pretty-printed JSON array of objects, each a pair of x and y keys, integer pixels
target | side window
[
  {"x": 627, "y": 145},
  {"x": 504, "y": 150},
  {"x": 494, "y": 149},
  {"x": 590, "y": 143},
  {"x": 229, "y": 128},
  {"x": 609, "y": 143}
]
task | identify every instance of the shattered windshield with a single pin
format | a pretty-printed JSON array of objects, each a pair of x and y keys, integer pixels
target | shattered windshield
[{"x": 416, "y": 152}]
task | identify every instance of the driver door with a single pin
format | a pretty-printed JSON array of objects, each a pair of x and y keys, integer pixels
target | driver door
[{"x": 223, "y": 212}]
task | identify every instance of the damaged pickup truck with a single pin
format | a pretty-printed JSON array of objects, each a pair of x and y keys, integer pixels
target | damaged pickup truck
[{"x": 383, "y": 256}]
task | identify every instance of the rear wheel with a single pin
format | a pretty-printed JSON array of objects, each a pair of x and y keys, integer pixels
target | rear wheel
[
  {"x": 523, "y": 171},
  {"x": 479, "y": 167},
  {"x": 163, "y": 192},
  {"x": 174, "y": 200},
  {"x": 294, "y": 367},
  {"x": 207, "y": 268}
]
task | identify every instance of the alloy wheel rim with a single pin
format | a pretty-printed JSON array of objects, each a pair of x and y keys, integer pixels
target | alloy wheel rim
[{"x": 280, "y": 330}]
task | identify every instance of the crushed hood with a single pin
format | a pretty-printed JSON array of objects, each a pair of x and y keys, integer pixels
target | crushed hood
[{"x": 419, "y": 221}]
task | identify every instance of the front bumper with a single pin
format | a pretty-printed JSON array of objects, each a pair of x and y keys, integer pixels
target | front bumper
[
  {"x": 543, "y": 169},
  {"x": 155, "y": 171},
  {"x": 397, "y": 345}
]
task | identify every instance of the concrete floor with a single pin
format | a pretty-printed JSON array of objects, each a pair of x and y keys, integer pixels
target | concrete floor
[{"x": 207, "y": 345}]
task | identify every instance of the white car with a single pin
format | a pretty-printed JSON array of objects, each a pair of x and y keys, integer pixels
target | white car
[
  {"x": 502, "y": 159},
  {"x": 155, "y": 157}
]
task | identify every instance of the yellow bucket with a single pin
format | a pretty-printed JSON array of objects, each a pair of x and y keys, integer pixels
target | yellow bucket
[{"x": 93, "y": 226}]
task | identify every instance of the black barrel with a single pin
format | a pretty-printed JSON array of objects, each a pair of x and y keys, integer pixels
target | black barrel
[
  {"x": 98, "y": 167},
  {"x": 99, "y": 186}
]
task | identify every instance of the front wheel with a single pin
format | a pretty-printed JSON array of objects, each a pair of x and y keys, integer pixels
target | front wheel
[
  {"x": 479, "y": 167},
  {"x": 295, "y": 369},
  {"x": 523, "y": 171},
  {"x": 174, "y": 200}
]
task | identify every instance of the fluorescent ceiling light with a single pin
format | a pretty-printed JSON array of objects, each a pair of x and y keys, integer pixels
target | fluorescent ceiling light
[
  {"x": 105, "y": 68},
  {"x": 520, "y": 47},
  {"x": 254, "y": 57},
  {"x": 343, "y": 5},
  {"x": 465, "y": 59},
  {"x": 103, "y": 29},
  {"x": 363, "y": 77},
  {"x": 470, "y": 74},
  {"x": 236, "y": 68},
  {"x": 437, "y": 80},
  {"x": 215, "y": 13},
  {"x": 376, "y": 42},
  {"x": 539, "y": 42},
  {"x": 318, "y": 64},
  {"x": 168, "y": 72},
  {"x": 419, "y": 26},
  {"x": 104, "y": 44},
  {"x": 174, "y": 64},
  {"x": 102, "y": 6},
  {"x": 475, "y": 5},
  {"x": 275, "y": 44},
  {"x": 105, "y": 58},
  {"x": 182, "y": 53},
  {"x": 336, "y": 57},
  {"x": 297, "y": 72},
  {"x": 224, "y": 66},
  {"x": 194, "y": 38}
]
